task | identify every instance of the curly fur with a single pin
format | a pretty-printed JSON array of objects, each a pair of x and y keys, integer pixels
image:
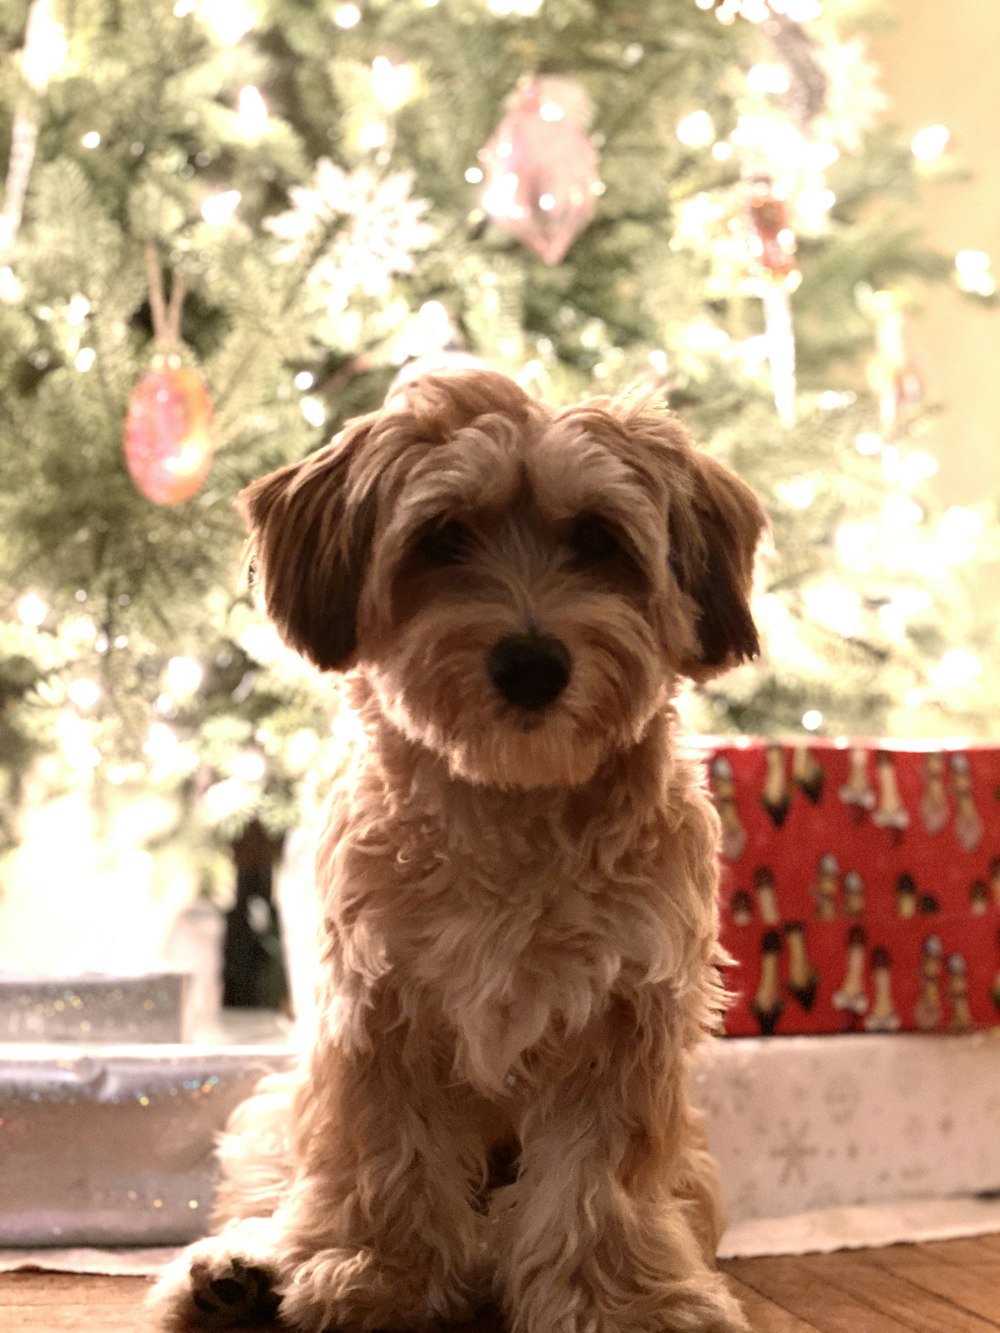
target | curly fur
[{"x": 519, "y": 917}]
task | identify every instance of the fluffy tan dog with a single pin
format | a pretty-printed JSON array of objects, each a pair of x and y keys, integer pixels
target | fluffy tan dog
[{"x": 517, "y": 878}]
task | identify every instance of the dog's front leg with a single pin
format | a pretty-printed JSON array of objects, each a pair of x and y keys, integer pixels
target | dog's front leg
[
  {"x": 380, "y": 1226},
  {"x": 376, "y": 1229},
  {"x": 598, "y": 1235}
]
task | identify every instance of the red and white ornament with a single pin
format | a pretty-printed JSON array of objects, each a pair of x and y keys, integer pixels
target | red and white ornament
[
  {"x": 168, "y": 434},
  {"x": 540, "y": 167},
  {"x": 774, "y": 274},
  {"x": 772, "y": 240}
]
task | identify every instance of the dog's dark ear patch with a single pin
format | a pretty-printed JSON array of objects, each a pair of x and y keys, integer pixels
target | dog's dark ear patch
[
  {"x": 712, "y": 544},
  {"x": 310, "y": 539}
]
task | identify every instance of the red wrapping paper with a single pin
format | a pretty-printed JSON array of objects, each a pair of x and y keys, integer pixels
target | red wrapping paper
[{"x": 860, "y": 886}]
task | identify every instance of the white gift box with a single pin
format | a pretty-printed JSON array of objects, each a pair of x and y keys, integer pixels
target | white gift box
[{"x": 809, "y": 1125}]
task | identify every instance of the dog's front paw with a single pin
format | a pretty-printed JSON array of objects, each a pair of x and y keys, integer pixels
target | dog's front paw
[
  {"x": 216, "y": 1285},
  {"x": 232, "y": 1292},
  {"x": 354, "y": 1289}
]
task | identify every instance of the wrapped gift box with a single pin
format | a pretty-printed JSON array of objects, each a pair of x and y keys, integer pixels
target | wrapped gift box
[
  {"x": 114, "y": 1145},
  {"x": 803, "y": 1124},
  {"x": 93, "y": 1007},
  {"x": 860, "y": 887}
]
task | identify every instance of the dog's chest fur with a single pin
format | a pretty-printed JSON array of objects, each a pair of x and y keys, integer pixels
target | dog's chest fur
[{"x": 510, "y": 922}]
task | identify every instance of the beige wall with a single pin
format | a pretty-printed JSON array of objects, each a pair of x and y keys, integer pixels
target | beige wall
[{"x": 941, "y": 66}]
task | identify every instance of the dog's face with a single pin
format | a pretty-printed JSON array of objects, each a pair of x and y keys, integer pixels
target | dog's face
[{"x": 521, "y": 586}]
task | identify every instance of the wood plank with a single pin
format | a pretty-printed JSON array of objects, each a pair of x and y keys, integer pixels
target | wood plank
[
  {"x": 828, "y": 1308},
  {"x": 893, "y": 1294},
  {"x": 74, "y": 1318},
  {"x": 34, "y": 1288},
  {"x": 969, "y": 1252},
  {"x": 975, "y": 1291},
  {"x": 763, "y": 1314},
  {"x": 940, "y": 1287}
]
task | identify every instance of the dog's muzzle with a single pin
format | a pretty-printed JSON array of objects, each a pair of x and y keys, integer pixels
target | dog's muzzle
[{"x": 530, "y": 670}]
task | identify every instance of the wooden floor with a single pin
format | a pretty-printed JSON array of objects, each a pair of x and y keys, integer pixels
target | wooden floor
[{"x": 947, "y": 1287}]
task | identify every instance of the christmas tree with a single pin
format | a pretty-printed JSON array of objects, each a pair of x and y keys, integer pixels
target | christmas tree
[{"x": 228, "y": 225}]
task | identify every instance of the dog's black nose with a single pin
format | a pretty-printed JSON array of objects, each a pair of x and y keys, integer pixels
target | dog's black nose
[{"x": 530, "y": 670}]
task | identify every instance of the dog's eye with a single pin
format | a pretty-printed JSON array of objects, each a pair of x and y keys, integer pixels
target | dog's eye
[
  {"x": 593, "y": 541},
  {"x": 446, "y": 543}
]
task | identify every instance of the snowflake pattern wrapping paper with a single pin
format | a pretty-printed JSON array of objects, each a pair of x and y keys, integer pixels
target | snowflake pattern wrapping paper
[
  {"x": 806, "y": 1124},
  {"x": 860, "y": 886}
]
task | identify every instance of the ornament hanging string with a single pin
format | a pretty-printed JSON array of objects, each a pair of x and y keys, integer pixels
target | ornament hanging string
[{"x": 166, "y": 314}]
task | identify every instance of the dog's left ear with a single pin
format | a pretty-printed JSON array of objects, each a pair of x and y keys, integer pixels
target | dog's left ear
[
  {"x": 714, "y": 532},
  {"x": 714, "y": 524},
  {"x": 311, "y": 526}
]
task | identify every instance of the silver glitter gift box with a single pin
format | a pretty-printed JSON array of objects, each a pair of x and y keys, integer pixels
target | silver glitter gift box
[
  {"x": 113, "y": 1145},
  {"x": 93, "y": 1007}
]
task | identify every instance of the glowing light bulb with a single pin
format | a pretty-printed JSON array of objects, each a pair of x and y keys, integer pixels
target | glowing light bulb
[
  {"x": 831, "y": 400},
  {"x": 183, "y": 676},
  {"x": 218, "y": 209},
  {"x": 917, "y": 466},
  {"x": 869, "y": 443},
  {"x": 798, "y": 493},
  {"x": 11, "y": 290},
  {"x": 813, "y": 205},
  {"x": 252, "y": 113},
  {"x": 930, "y": 142},
  {"x": 801, "y": 11},
  {"x": 313, "y": 411},
  {"x": 973, "y": 272},
  {"x": 812, "y": 719},
  {"x": 91, "y": 139},
  {"x": 229, "y": 20},
  {"x": 958, "y": 668},
  {"x": 84, "y": 359},
  {"x": 45, "y": 46},
  {"x": 78, "y": 309},
  {"x": 696, "y": 130},
  {"x": 755, "y": 11},
  {"x": 392, "y": 84},
  {"x": 249, "y": 766},
  {"x": 373, "y": 135},
  {"x": 84, "y": 693},
  {"x": 347, "y": 16},
  {"x": 162, "y": 743},
  {"x": 31, "y": 610},
  {"x": 768, "y": 79}
]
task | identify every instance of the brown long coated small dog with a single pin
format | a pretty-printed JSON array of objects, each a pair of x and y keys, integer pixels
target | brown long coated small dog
[{"x": 517, "y": 878}]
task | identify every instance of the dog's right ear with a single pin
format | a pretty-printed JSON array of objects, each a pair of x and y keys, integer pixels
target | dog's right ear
[{"x": 311, "y": 526}]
